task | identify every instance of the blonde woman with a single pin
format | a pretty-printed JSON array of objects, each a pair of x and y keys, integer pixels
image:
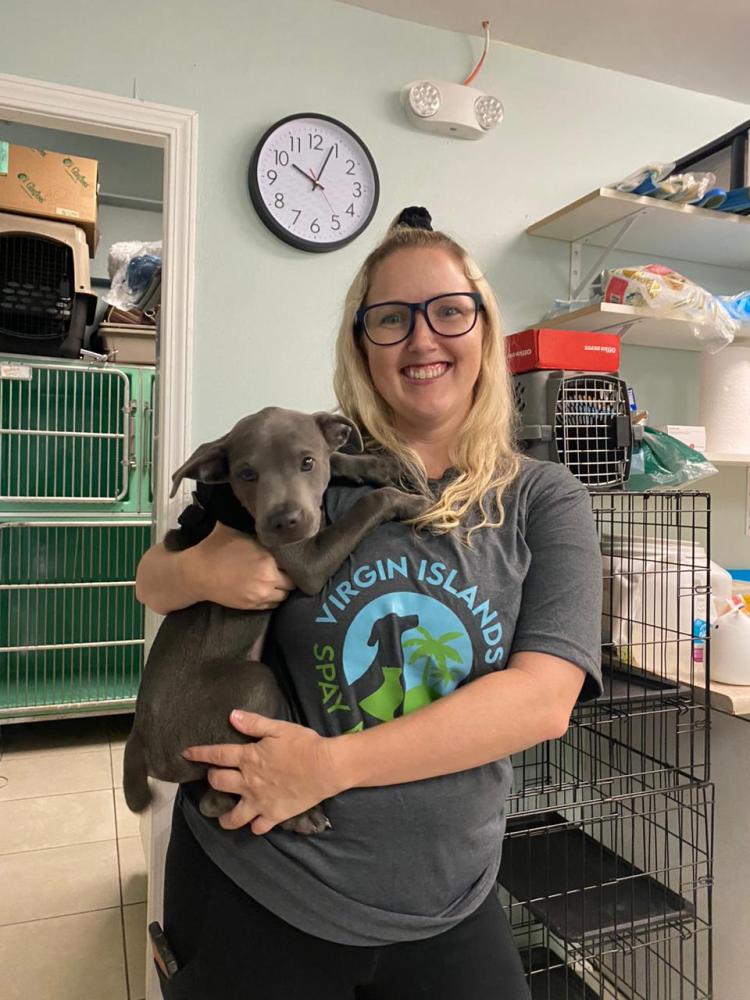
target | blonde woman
[{"x": 429, "y": 658}]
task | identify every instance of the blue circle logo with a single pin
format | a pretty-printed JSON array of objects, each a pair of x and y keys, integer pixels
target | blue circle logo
[{"x": 402, "y": 651}]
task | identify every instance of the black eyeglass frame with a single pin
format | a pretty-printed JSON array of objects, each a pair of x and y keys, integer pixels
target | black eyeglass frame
[{"x": 415, "y": 307}]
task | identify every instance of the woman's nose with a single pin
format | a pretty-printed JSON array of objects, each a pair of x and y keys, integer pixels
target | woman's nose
[{"x": 422, "y": 336}]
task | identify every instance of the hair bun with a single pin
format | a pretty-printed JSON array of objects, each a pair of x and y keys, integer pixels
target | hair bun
[{"x": 414, "y": 218}]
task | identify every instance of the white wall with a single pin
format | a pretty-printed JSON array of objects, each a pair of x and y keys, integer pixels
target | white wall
[{"x": 266, "y": 314}]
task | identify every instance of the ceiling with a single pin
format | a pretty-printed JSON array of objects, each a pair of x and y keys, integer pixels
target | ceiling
[{"x": 691, "y": 43}]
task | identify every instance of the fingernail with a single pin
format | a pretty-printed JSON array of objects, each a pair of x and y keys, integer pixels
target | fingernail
[
  {"x": 237, "y": 714},
  {"x": 187, "y": 754}
]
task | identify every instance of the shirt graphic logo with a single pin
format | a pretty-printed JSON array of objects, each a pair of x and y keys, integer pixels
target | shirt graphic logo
[{"x": 402, "y": 651}]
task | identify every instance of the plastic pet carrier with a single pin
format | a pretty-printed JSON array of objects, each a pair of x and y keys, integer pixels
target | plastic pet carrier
[
  {"x": 45, "y": 287},
  {"x": 580, "y": 419}
]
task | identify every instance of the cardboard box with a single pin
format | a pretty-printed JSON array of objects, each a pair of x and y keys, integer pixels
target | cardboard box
[
  {"x": 50, "y": 186},
  {"x": 570, "y": 350},
  {"x": 693, "y": 437}
]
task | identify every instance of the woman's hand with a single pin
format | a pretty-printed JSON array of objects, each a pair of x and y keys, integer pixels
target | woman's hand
[
  {"x": 233, "y": 569},
  {"x": 286, "y": 772}
]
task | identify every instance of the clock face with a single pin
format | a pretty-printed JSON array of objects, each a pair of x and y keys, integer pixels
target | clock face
[{"x": 313, "y": 182}]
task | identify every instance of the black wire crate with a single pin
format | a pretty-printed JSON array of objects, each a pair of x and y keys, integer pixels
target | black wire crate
[
  {"x": 612, "y": 898},
  {"x": 656, "y": 586}
]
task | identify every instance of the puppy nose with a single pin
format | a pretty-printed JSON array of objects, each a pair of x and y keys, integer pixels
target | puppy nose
[{"x": 286, "y": 517}]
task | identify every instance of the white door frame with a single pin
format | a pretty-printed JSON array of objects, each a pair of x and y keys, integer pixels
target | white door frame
[{"x": 175, "y": 130}]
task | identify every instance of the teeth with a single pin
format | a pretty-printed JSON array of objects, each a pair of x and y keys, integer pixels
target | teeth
[{"x": 425, "y": 372}]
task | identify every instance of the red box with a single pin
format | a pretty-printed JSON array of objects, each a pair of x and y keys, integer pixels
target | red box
[{"x": 570, "y": 350}]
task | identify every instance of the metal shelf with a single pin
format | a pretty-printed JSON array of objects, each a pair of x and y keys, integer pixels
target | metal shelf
[{"x": 659, "y": 228}]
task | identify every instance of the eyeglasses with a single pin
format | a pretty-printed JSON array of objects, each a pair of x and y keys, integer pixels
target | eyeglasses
[{"x": 450, "y": 315}]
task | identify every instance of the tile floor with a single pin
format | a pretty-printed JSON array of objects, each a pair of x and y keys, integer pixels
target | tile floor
[{"x": 72, "y": 871}]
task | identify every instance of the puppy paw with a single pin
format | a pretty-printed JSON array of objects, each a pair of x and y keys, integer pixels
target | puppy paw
[
  {"x": 403, "y": 506},
  {"x": 214, "y": 803},
  {"x": 312, "y": 821}
]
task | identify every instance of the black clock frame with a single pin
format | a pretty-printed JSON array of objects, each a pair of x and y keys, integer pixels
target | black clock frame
[{"x": 268, "y": 220}]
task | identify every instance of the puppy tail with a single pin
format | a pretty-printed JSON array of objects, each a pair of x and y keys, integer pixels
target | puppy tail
[{"x": 135, "y": 776}]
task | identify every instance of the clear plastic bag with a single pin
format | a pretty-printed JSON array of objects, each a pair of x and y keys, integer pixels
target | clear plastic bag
[
  {"x": 133, "y": 267},
  {"x": 653, "y": 172},
  {"x": 653, "y": 286},
  {"x": 663, "y": 461}
]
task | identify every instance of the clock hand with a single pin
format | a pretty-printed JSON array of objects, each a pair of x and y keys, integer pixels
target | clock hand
[
  {"x": 325, "y": 162},
  {"x": 308, "y": 177}
]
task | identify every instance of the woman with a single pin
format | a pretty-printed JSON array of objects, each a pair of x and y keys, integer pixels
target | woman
[{"x": 472, "y": 639}]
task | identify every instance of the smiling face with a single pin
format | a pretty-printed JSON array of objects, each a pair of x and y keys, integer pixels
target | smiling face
[{"x": 427, "y": 380}]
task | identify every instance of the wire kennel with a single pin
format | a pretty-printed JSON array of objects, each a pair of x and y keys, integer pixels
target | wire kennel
[
  {"x": 652, "y": 722},
  {"x": 45, "y": 287},
  {"x": 74, "y": 436},
  {"x": 580, "y": 419},
  {"x": 72, "y": 629},
  {"x": 613, "y": 899}
]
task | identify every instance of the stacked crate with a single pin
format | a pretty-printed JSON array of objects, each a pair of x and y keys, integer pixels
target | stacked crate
[
  {"x": 607, "y": 863},
  {"x": 76, "y": 499}
]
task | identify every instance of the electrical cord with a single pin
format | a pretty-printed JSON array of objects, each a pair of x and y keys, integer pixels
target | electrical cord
[{"x": 470, "y": 77}]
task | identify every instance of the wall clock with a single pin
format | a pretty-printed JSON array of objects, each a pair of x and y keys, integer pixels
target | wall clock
[{"x": 313, "y": 182}]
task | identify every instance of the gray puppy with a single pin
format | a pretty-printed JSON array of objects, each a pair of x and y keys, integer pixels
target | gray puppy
[{"x": 204, "y": 660}]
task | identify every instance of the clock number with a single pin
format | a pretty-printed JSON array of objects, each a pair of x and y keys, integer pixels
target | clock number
[
  {"x": 351, "y": 167},
  {"x": 316, "y": 141},
  {"x": 314, "y": 227},
  {"x": 282, "y": 157},
  {"x": 297, "y": 213},
  {"x": 279, "y": 200},
  {"x": 335, "y": 224},
  {"x": 336, "y": 150},
  {"x": 357, "y": 189},
  {"x": 292, "y": 140},
  {"x": 272, "y": 176},
  {"x": 350, "y": 210}
]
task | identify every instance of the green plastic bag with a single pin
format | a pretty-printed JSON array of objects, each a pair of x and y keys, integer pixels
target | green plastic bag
[{"x": 663, "y": 461}]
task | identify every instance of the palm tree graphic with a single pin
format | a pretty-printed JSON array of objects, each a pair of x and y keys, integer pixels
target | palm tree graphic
[{"x": 436, "y": 652}]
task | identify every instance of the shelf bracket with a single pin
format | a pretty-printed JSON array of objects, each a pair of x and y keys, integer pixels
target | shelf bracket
[{"x": 578, "y": 284}]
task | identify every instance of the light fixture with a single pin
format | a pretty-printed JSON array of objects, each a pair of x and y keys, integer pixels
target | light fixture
[{"x": 453, "y": 109}]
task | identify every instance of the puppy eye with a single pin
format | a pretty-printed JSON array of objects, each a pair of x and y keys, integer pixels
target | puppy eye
[
  {"x": 248, "y": 475},
  {"x": 308, "y": 464}
]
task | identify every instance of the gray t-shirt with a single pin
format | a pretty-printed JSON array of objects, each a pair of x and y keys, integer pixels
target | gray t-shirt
[{"x": 406, "y": 620}]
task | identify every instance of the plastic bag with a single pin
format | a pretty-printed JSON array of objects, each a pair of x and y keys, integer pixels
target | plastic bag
[
  {"x": 653, "y": 172},
  {"x": 653, "y": 286},
  {"x": 132, "y": 267},
  {"x": 663, "y": 461},
  {"x": 738, "y": 306}
]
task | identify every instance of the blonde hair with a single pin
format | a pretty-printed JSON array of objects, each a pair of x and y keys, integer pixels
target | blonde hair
[{"x": 484, "y": 454}]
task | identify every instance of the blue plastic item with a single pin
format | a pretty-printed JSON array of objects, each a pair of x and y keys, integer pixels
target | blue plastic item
[
  {"x": 646, "y": 187},
  {"x": 737, "y": 200},
  {"x": 740, "y": 574},
  {"x": 714, "y": 198}
]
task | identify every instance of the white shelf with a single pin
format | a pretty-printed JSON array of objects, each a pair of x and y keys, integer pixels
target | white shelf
[
  {"x": 640, "y": 327},
  {"x": 727, "y": 458},
  {"x": 679, "y": 232}
]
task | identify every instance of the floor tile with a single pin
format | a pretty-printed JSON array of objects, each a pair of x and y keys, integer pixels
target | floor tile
[
  {"x": 116, "y": 753},
  {"x": 40, "y": 823},
  {"x": 76, "y": 957},
  {"x": 55, "y": 736},
  {"x": 135, "y": 948},
  {"x": 128, "y": 823},
  {"x": 35, "y": 775},
  {"x": 133, "y": 877},
  {"x": 59, "y": 881}
]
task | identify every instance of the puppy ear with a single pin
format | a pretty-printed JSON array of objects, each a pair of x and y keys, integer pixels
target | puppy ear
[
  {"x": 339, "y": 430},
  {"x": 208, "y": 464}
]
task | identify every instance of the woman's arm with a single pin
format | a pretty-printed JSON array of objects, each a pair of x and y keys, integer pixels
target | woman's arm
[
  {"x": 228, "y": 567},
  {"x": 492, "y": 717},
  {"x": 292, "y": 768}
]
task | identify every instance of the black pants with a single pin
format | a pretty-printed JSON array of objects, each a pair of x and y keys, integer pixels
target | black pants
[{"x": 228, "y": 947}]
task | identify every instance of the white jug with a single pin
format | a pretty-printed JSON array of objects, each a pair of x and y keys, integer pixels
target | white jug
[{"x": 730, "y": 648}]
